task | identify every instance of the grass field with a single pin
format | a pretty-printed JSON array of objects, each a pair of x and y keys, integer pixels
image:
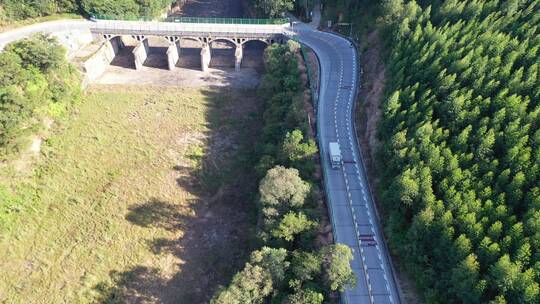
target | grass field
[{"x": 142, "y": 196}]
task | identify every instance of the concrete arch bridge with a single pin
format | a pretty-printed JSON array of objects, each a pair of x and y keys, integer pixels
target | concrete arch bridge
[{"x": 203, "y": 34}]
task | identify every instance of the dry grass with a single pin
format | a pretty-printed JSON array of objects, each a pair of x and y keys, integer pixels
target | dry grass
[{"x": 125, "y": 205}]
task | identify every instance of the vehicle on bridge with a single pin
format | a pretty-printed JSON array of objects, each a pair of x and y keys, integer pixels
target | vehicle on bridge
[{"x": 335, "y": 155}]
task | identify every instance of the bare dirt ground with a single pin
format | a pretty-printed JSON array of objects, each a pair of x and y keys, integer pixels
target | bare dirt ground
[
  {"x": 209, "y": 8},
  {"x": 368, "y": 114},
  {"x": 181, "y": 77},
  {"x": 187, "y": 72}
]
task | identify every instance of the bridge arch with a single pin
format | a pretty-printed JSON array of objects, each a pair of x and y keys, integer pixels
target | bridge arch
[
  {"x": 251, "y": 40},
  {"x": 196, "y": 39},
  {"x": 253, "y": 53},
  {"x": 223, "y": 52},
  {"x": 220, "y": 39}
]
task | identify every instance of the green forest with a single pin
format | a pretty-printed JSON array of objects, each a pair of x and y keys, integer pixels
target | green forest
[
  {"x": 460, "y": 153},
  {"x": 290, "y": 266},
  {"x": 11, "y": 10},
  {"x": 25, "y": 9},
  {"x": 272, "y": 8},
  {"x": 126, "y": 8}
]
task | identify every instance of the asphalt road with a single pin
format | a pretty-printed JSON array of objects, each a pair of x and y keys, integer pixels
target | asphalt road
[
  {"x": 44, "y": 27},
  {"x": 351, "y": 205}
]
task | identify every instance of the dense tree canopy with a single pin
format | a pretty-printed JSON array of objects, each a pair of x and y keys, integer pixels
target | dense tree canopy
[
  {"x": 337, "y": 269},
  {"x": 292, "y": 224},
  {"x": 461, "y": 139},
  {"x": 271, "y": 270},
  {"x": 273, "y": 8},
  {"x": 126, "y": 8},
  {"x": 35, "y": 81},
  {"x": 297, "y": 152},
  {"x": 256, "y": 281},
  {"x": 283, "y": 189},
  {"x": 22, "y": 9},
  {"x": 305, "y": 296}
]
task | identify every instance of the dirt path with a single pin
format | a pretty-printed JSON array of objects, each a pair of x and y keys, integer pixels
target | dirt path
[{"x": 181, "y": 77}]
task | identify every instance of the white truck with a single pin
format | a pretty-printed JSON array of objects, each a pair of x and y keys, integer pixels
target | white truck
[{"x": 335, "y": 155}]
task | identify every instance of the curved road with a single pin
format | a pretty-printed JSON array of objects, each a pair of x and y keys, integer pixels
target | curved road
[
  {"x": 351, "y": 205},
  {"x": 44, "y": 27}
]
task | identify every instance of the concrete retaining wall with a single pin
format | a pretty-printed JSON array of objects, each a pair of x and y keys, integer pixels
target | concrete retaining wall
[
  {"x": 95, "y": 66},
  {"x": 73, "y": 40}
]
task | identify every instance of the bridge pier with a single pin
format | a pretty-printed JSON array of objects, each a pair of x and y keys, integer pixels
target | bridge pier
[
  {"x": 140, "y": 53},
  {"x": 205, "y": 57},
  {"x": 238, "y": 54},
  {"x": 173, "y": 54},
  {"x": 112, "y": 46}
]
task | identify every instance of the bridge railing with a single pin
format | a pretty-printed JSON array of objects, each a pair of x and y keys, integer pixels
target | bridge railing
[
  {"x": 226, "y": 20},
  {"x": 122, "y": 18},
  {"x": 196, "y": 19}
]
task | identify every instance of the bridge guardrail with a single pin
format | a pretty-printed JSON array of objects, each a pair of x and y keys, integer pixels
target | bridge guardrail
[
  {"x": 226, "y": 20},
  {"x": 124, "y": 18},
  {"x": 195, "y": 19}
]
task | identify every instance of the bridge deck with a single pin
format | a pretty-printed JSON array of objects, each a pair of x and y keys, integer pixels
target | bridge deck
[{"x": 186, "y": 29}]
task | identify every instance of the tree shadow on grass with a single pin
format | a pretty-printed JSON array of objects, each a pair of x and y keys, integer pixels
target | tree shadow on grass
[
  {"x": 213, "y": 231},
  {"x": 131, "y": 287},
  {"x": 156, "y": 213},
  {"x": 212, "y": 248}
]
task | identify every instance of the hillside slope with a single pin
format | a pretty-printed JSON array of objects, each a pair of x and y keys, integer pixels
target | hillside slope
[{"x": 460, "y": 146}]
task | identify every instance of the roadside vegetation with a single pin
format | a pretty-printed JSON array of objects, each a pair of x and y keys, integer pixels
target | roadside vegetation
[
  {"x": 126, "y": 8},
  {"x": 290, "y": 266},
  {"x": 272, "y": 8},
  {"x": 459, "y": 140},
  {"x": 278, "y": 8},
  {"x": 13, "y": 11},
  {"x": 21, "y": 12},
  {"x": 36, "y": 84}
]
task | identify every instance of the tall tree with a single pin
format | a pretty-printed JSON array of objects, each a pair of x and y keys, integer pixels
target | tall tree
[{"x": 336, "y": 261}]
